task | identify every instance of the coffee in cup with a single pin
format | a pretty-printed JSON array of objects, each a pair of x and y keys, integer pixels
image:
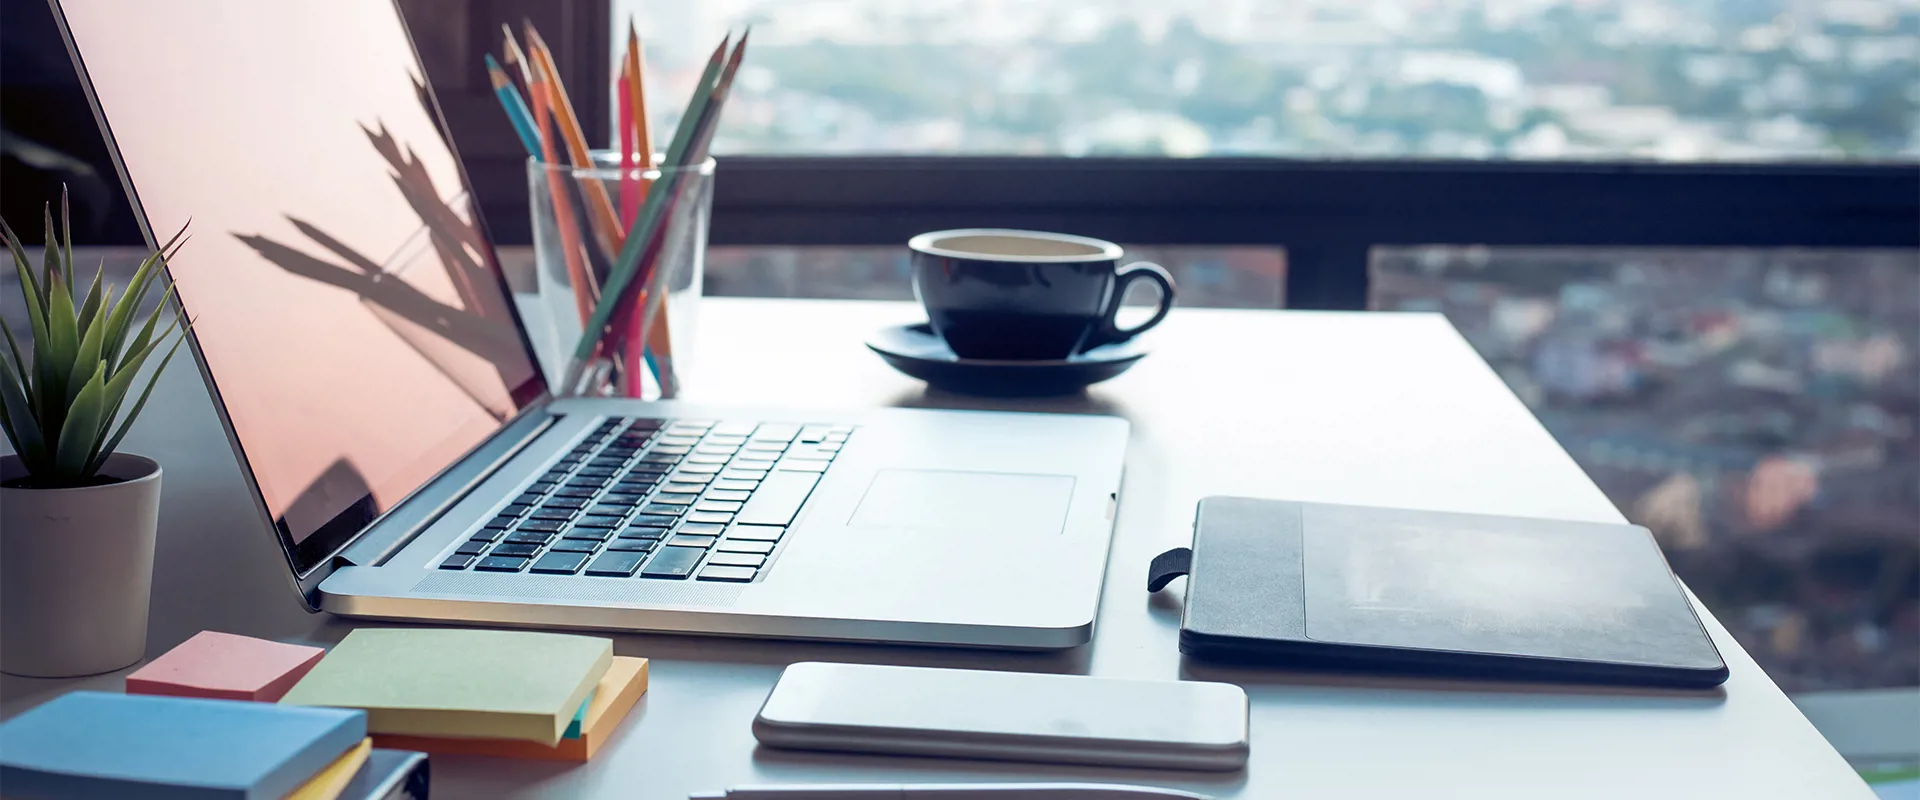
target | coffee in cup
[{"x": 1024, "y": 295}]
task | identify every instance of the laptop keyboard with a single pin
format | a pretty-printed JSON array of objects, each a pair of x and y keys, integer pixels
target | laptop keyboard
[{"x": 659, "y": 498}]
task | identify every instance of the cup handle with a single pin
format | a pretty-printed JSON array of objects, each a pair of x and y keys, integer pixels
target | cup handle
[{"x": 1109, "y": 332}]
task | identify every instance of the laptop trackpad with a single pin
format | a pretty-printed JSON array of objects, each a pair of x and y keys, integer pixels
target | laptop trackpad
[{"x": 975, "y": 503}]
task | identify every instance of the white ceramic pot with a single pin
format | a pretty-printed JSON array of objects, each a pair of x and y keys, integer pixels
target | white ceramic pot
[{"x": 76, "y": 568}]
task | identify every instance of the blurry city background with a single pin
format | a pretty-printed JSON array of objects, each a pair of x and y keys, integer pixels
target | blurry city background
[{"x": 1533, "y": 79}]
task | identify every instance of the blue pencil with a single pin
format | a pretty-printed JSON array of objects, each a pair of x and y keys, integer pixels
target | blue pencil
[{"x": 516, "y": 107}]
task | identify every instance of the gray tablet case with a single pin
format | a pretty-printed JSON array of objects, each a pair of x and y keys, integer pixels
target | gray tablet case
[{"x": 1322, "y": 586}]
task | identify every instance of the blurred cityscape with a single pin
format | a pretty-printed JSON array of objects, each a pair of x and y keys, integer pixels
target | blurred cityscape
[
  {"x": 1530, "y": 79},
  {"x": 1756, "y": 409}
]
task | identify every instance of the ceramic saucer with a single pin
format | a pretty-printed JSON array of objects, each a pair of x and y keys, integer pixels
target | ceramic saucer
[{"x": 916, "y": 351}]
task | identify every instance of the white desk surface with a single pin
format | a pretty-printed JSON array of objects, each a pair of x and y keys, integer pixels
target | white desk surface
[{"x": 1378, "y": 409}]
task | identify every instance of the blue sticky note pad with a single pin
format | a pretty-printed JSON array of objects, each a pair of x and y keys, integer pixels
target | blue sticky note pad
[
  {"x": 579, "y": 718},
  {"x": 93, "y": 744}
]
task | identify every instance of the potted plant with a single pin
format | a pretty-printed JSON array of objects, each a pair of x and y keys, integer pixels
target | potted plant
[{"x": 77, "y": 517}]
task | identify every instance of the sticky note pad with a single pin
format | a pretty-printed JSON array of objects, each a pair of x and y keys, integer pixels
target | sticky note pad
[
  {"x": 334, "y": 779},
  {"x": 93, "y": 744},
  {"x": 616, "y": 695},
  {"x": 469, "y": 683},
  {"x": 226, "y": 667}
]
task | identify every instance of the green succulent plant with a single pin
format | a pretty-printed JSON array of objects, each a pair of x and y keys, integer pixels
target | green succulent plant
[{"x": 62, "y": 408}]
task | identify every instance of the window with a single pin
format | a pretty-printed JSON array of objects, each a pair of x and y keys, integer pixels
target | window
[{"x": 1521, "y": 79}]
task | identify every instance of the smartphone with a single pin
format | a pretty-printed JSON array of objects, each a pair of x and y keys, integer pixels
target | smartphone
[{"x": 1013, "y": 716}]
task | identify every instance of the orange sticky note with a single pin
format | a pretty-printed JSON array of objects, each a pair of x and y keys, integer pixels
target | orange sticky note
[
  {"x": 223, "y": 666},
  {"x": 617, "y": 693}
]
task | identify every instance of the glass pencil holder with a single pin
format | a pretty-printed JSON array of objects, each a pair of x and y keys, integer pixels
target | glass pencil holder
[{"x": 582, "y": 218}]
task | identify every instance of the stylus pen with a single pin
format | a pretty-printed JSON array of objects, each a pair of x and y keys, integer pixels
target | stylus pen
[{"x": 948, "y": 791}]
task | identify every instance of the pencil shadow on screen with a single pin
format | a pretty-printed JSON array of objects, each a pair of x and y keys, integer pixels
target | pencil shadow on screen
[
  {"x": 482, "y": 324},
  {"x": 879, "y": 768}
]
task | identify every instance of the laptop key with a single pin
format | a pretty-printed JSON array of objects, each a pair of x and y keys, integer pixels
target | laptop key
[
  {"x": 503, "y": 521},
  {"x": 600, "y": 521},
  {"x": 700, "y": 469},
  {"x": 803, "y": 466},
  {"x": 737, "y": 560},
  {"x": 776, "y": 431},
  {"x": 674, "y": 447},
  {"x": 723, "y": 506},
  {"x": 530, "y": 497},
  {"x": 574, "y": 546},
  {"x": 690, "y": 477},
  {"x": 815, "y": 433},
  {"x": 756, "y": 533},
  {"x": 553, "y": 513},
  {"x": 517, "y": 509},
  {"x": 739, "y": 546},
  {"x": 654, "y": 521},
  {"x": 632, "y": 545},
  {"x": 471, "y": 548},
  {"x": 643, "y": 532},
  {"x": 543, "y": 525},
  {"x": 738, "y": 474},
  {"x": 501, "y": 564},
  {"x": 486, "y": 535},
  {"x": 702, "y": 528},
  {"x": 513, "y": 548},
  {"x": 707, "y": 459},
  {"x": 623, "y": 498},
  {"x": 709, "y": 516},
  {"x": 778, "y": 499},
  {"x": 458, "y": 561},
  {"x": 581, "y": 492},
  {"x": 702, "y": 542},
  {"x": 663, "y": 510},
  {"x": 569, "y": 503},
  {"x": 593, "y": 534},
  {"x": 559, "y": 563},
  {"x": 731, "y": 485},
  {"x": 728, "y": 574},
  {"x": 672, "y": 562},
  {"x": 610, "y": 510},
  {"x": 677, "y": 498},
  {"x": 728, "y": 494},
  {"x": 598, "y": 472}
]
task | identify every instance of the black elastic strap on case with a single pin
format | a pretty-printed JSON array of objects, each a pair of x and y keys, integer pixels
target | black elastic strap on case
[{"x": 1167, "y": 566}]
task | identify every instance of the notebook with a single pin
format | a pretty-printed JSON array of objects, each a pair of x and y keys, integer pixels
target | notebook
[
  {"x": 1320, "y": 586},
  {"x": 94, "y": 744},
  {"x": 465, "y": 683}
]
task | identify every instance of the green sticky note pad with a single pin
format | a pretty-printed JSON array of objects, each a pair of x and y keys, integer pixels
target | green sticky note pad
[{"x": 460, "y": 683}]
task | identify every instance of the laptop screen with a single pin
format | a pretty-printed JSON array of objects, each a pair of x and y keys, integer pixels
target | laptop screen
[{"x": 344, "y": 295}]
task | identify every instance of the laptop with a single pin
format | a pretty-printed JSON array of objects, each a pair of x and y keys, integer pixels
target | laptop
[{"x": 379, "y": 390}]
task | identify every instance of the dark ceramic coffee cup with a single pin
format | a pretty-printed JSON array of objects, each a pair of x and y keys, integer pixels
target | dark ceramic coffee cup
[{"x": 1025, "y": 295}]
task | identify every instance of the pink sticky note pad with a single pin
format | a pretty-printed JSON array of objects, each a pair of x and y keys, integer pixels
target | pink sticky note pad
[{"x": 223, "y": 666}]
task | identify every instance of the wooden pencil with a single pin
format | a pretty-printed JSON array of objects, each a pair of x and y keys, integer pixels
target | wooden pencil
[
  {"x": 652, "y": 214},
  {"x": 564, "y": 221},
  {"x": 606, "y": 223}
]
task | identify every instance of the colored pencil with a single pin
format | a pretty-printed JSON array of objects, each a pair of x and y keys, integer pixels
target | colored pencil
[
  {"x": 516, "y": 57},
  {"x": 646, "y": 226},
  {"x": 642, "y": 124},
  {"x": 646, "y": 308},
  {"x": 517, "y": 111},
  {"x": 606, "y": 223},
  {"x": 577, "y": 273},
  {"x": 629, "y": 185}
]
